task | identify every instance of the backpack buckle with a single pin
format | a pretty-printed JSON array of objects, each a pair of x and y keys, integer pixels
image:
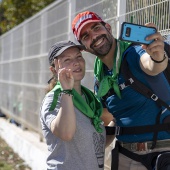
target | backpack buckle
[
  {"x": 117, "y": 130},
  {"x": 154, "y": 97}
]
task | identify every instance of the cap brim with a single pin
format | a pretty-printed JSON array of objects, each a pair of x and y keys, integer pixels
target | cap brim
[{"x": 81, "y": 47}]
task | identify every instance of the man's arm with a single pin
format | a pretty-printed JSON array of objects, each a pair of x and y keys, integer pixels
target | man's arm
[{"x": 106, "y": 117}]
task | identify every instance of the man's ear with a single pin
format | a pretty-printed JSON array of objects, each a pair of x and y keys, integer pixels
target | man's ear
[{"x": 108, "y": 27}]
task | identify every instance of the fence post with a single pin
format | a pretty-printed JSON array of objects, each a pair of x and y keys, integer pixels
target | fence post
[
  {"x": 121, "y": 9},
  {"x": 72, "y": 12}
]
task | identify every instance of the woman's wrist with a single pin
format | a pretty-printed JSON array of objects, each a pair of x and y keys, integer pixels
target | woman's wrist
[{"x": 67, "y": 92}]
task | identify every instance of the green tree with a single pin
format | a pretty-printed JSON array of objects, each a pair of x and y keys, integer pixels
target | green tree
[{"x": 13, "y": 12}]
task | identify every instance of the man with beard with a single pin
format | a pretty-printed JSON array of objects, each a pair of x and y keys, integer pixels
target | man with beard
[{"x": 129, "y": 107}]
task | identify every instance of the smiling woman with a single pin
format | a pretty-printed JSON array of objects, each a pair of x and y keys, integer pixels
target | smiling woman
[{"x": 70, "y": 114}]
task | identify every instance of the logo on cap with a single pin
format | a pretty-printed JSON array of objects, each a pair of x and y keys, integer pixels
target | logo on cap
[
  {"x": 82, "y": 19},
  {"x": 87, "y": 16}
]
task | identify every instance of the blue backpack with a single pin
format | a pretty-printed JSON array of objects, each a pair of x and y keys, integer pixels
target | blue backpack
[
  {"x": 154, "y": 93},
  {"x": 157, "y": 160}
]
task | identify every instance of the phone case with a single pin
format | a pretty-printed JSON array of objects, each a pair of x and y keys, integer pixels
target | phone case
[{"x": 136, "y": 33}]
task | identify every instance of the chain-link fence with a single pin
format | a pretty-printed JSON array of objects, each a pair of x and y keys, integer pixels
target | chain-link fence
[{"x": 23, "y": 50}]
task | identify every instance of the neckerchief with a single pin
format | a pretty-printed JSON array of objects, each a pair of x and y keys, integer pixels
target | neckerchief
[
  {"x": 92, "y": 108},
  {"x": 110, "y": 81}
]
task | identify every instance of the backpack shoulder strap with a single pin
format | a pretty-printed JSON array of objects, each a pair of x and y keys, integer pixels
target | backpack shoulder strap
[{"x": 167, "y": 71}]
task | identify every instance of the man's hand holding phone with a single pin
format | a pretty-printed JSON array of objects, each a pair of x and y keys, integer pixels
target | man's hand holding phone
[
  {"x": 147, "y": 36},
  {"x": 156, "y": 48}
]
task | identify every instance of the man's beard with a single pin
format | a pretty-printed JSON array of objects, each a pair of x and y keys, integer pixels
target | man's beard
[{"x": 104, "y": 49}]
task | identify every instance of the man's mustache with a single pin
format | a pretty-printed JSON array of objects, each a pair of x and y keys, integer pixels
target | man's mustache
[{"x": 97, "y": 38}]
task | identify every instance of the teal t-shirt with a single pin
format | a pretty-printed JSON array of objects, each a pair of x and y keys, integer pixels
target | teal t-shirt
[{"x": 133, "y": 109}]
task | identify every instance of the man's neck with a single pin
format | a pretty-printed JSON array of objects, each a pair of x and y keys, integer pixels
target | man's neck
[{"x": 109, "y": 58}]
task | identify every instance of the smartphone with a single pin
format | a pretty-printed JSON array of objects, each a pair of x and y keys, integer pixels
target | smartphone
[{"x": 136, "y": 33}]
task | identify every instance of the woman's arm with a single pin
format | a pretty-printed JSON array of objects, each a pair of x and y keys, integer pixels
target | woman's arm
[
  {"x": 64, "y": 125},
  {"x": 106, "y": 117}
]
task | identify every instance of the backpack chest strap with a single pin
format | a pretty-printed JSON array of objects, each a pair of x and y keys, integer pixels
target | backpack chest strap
[{"x": 117, "y": 130}]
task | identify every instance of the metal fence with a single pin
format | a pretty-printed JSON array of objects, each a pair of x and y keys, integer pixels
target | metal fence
[{"x": 23, "y": 50}]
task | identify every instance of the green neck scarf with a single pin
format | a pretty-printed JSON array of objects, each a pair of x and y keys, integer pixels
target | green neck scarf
[
  {"x": 92, "y": 108},
  {"x": 107, "y": 81}
]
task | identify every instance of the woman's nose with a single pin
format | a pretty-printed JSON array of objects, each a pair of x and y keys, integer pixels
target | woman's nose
[{"x": 76, "y": 62}]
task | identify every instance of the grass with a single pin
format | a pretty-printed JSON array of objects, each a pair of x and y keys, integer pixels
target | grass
[{"x": 9, "y": 160}]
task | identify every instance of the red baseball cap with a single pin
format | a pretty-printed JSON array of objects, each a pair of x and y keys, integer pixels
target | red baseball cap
[{"x": 82, "y": 19}]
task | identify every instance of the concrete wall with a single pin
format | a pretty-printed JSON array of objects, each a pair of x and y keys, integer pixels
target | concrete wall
[{"x": 25, "y": 143}]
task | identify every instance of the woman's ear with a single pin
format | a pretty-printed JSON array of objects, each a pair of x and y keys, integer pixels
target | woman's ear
[
  {"x": 108, "y": 27},
  {"x": 52, "y": 69}
]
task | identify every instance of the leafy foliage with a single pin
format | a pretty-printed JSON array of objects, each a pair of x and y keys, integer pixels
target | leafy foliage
[{"x": 13, "y": 12}]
